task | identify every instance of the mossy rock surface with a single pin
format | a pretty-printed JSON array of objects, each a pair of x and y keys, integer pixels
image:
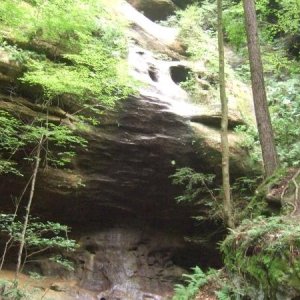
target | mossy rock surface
[{"x": 266, "y": 252}]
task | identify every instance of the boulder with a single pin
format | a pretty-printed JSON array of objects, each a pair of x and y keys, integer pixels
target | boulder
[{"x": 155, "y": 10}]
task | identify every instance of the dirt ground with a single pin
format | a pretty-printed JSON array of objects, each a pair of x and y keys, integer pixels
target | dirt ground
[{"x": 46, "y": 288}]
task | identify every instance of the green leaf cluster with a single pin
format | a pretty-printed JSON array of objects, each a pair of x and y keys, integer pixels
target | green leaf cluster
[
  {"x": 285, "y": 107},
  {"x": 195, "y": 184},
  {"x": 283, "y": 14},
  {"x": 59, "y": 147},
  {"x": 284, "y": 104},
  {"x": 88, "y": 41},
  {"x": 192, "y": 284},
  {"x": 9, "y": 142},
  {"x": 40, "y": 236},
  {"x": 235, "y": 30},
  {"x": 196, "y": 27},
  {"x": 58, "y": 21},
  {"x": 10, "y": 289},
  {"x": 93, "y": 75}
]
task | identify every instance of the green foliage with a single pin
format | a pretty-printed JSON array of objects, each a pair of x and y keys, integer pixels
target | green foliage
[
  {"x": 94, "y": 74},
  {"x": 62, "y": 22},
  {"x": 285, "y": 111},
  {"x": 284, "y": 15},
  {"x": 195, "y": 183},
  {"x": 195, "y": 30},
  {"x": 193, "y": 282},
  {"x": 224, "y": 294},
  {"x": 60, "y": 142},
  {"x": 200, "y": 90},
  {"x": 234, "y": 287},
  {"x": 235, "y": 30},
  {"x": 265, "y": 251},
  {"x": 286, "y": 119},
  {"x": 62, "y": 261},
  {"x": 15, "y": 14},
  {"x": 278, "y": 65},
  {"x": 199, "y": 190},
  {"x": 84, "y": 34},
  {"x": 277, "y": 17},
  {"x": 190, "y": 85},
  {"x": 11, "y": 290},
  {"x": 9, "y": 142},
  {"x": 16, "y": 54},
  {"x": 214, "y": 282},
  {"x": 250, "y": 142},
  {"x": 9, "y": 139},
  {"x": 40, "y": 237}
]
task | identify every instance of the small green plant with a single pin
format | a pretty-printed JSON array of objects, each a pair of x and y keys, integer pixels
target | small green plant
[
  {"x": 16, "y": 54},
  {"x": 192, "y": 284},
  {"x": 200, "y": 191},
  {"x": 195, "y": 184},
  {"x": 11, "y": 290},
  {"x": 35, "y": 275},
  {"x": 64, "y": 262}
]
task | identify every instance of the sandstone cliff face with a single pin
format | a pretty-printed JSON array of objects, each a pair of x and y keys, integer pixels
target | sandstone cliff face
[
  {"x": 154, "y": 10},
  {"x": 117, "y": 194}
]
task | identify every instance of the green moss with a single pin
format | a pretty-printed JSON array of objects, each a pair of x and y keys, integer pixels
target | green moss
[{"x": 266, "y": 251}]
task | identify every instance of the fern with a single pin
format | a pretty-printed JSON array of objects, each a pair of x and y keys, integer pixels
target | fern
[
  {"x": 223, "y": 294},
  {"x": 193, "y": 282}
]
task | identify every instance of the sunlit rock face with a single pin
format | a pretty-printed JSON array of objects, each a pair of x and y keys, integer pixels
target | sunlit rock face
[{"x": 117, "y": 194}]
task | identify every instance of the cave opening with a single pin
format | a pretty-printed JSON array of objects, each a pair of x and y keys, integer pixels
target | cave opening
[{"x": 179, "y": 73}]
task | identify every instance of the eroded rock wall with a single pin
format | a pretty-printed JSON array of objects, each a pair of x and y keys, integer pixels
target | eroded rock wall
[{"x": 117, "y": 194}]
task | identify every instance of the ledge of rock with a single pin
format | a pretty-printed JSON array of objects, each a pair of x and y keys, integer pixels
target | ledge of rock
[{"x": 155, "y": 10}]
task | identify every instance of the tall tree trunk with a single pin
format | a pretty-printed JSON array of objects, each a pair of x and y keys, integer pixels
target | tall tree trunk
[
  {"x": 264, "y": 125},
  {"x": 28, "y": 207},
  {"x": 227, "y": 205}
]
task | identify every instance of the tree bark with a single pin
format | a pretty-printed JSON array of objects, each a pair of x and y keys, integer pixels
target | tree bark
[
  {"x": 263, "y": 119},
  {"x": 227, "y": 205}
]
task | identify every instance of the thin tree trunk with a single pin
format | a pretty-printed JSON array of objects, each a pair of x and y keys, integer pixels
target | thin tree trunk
[
  {"x": 28, "y": 207},
  {"x": 228, "y": 214},
  {"x": 11, "y": 239},
  {"x": 264, "y": 125}
]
